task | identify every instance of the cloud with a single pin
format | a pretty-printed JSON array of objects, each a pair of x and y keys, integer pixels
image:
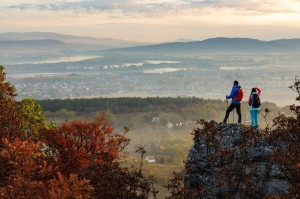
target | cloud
[
  {"x": 167, "y": 11},
  {"x": 156, "y": 6},
  {"x": 153, "y": 20},
  {"x": 69, "y": 5}
]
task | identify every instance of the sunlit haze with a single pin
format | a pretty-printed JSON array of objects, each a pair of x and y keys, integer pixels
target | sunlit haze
[{"x": 155, "y": 20}]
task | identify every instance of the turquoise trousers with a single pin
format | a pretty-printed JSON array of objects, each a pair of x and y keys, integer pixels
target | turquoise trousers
[{"x": 254, "y": 118}]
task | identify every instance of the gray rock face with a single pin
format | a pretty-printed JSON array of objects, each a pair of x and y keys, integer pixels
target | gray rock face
[{"x": 233, "y": 165}]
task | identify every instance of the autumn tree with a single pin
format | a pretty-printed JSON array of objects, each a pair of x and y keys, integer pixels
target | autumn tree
[
  {"x": 285, "y": 139},
  {"x": 33, "y": 121},
  {"x": 10, "y": 117},
  {"x": 25, "y": 170},
  {"x": 28, "y": 173},
  {"x": 91, "y": 150},
  {"x": 80, "y": 144},
  {"x": 79, "y": 159},
  {"x": 20, "y": 119}
]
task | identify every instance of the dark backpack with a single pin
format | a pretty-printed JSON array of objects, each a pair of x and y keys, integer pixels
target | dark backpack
[{"x": 255, "y": 101}]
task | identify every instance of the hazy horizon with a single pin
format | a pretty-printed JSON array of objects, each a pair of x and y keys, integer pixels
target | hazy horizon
[
  {"x": 166, "y": 41},
  {"x": 151, "y": 21},
  {"x": 155, "y": 21}
]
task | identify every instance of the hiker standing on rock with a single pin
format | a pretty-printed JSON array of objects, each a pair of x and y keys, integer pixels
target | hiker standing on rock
[
  {"x": 254, "y": 103},
  {"x": 237, "y": 94}
]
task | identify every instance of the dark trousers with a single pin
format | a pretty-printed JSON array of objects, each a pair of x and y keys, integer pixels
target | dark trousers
[{"x": 238, "y": 110}]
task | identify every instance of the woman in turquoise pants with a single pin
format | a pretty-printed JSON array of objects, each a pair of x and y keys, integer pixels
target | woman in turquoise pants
[{"x": 254, "y": 111}]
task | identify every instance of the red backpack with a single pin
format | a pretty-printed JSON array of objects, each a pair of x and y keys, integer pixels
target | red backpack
[{"x": 240, "y": 95}]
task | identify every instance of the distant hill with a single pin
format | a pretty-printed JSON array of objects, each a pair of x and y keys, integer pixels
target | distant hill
[
  {"x": 220, "y": 45},
  {"x": 33, "y": 45},
  {"x": 46, "y": 41},
  {"x": 45, "y": 45},
  {"x": 90, "y": 43}
]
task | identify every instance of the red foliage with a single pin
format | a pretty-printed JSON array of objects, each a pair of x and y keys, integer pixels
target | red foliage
[
  {"x": 286, "y": 144},
  {"x": 79, "y": 144},
  {"x": 29, "y": 173},
  {"x": 10, "y": 117},
  {"x": 91, "y": 150}
]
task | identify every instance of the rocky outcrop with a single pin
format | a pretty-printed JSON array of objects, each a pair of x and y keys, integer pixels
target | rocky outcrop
[{"x": 229, "y": 161}]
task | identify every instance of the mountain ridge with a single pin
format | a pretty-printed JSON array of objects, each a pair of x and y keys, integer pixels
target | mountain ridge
[
  {"x": 104, "y": 43},
  {"x": 219, "y": 44},
  {"x": 35, "y": 41}
]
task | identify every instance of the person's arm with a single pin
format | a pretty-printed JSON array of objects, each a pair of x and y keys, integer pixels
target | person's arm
[
  {"x": 250, "y": 100},
  {"x": 259, "y": 91},
  {"x": 233, "y": 90}
]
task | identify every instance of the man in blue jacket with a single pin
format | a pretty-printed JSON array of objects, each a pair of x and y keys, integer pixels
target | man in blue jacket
[{"x": 234, "y": 103}]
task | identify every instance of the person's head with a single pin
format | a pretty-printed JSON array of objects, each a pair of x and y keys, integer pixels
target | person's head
[
  {"x": 253, "y": 90},
  {"x": 235, "y": 83}
]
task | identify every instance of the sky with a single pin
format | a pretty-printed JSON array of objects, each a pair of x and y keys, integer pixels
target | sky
[{"x": 154, "y": 20}]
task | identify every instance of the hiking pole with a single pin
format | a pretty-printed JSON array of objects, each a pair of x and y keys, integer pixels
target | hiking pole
[
  {"x": 233, "y": 116},
  {"x": 227, "y": 108}
]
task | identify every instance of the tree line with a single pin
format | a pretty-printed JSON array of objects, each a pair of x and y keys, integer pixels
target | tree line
[
  {"x": 186, "y": 107},
  {"x": 124, "y": 104}
]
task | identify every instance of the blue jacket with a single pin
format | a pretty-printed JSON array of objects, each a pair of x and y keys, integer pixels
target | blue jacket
[{"x": 234, "y": 94}]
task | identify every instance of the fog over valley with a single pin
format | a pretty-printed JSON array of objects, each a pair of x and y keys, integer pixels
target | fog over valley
[{"x": 202, "y": 69}]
